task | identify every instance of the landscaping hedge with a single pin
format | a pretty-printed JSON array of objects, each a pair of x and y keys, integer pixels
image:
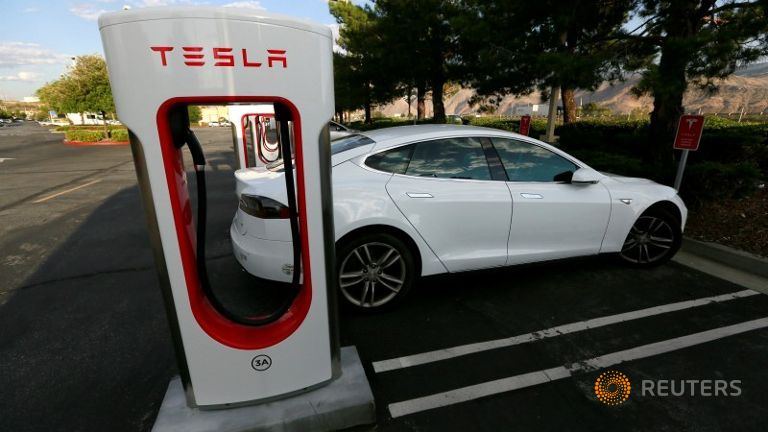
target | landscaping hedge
[
  {"x": 94, "y": 135},
  {"x": 708, "y": 180},
  {"x": 84, "y": 135},
  {"x": 87, "y": 127},
  {"x": 119, "y": 135}
]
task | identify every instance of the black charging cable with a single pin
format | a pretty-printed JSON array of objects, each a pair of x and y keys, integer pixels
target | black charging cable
[{"x": 198, "y": 159}]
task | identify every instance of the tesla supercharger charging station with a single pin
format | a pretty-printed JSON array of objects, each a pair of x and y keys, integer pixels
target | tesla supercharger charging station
[
  {"x": 162, "y": 59},
  {"x": 251, "y": 126}
]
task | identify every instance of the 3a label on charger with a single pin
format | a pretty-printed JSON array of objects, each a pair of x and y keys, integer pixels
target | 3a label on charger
[{"x": 261, "y": 362}]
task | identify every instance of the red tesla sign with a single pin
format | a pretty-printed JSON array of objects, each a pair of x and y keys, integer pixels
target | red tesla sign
[
  {"x": 689, "y": 132},
  {"x": 223, "y": 56},
  {"x": 525, "y": 125}
]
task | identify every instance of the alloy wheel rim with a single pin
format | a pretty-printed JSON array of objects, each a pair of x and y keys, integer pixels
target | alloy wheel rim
[
  {"x": 650, "y": 240},
  {"x": 372, "y": 274}
]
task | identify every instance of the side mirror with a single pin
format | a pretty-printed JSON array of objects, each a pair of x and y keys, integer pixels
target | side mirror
[{"x": 585, "y": 176}]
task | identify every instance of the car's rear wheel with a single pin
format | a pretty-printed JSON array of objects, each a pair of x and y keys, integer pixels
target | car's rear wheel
[
  {"x": 654, "y": 239},
  {"x": 375, "y": 271}
]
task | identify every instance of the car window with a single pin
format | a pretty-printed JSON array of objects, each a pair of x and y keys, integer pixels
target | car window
[
  {"x": 349, "y": 142},
  {"x": 525, "y": 162},
  {"x": 458, "y": 158},
  {"x": 393, "y": 161}
]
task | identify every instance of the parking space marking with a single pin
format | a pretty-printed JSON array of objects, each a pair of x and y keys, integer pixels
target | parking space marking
[
  {"x": 503, "y": 385},
  {"x": 462, "y": 350},
  {"x": 43, "y": 199}
]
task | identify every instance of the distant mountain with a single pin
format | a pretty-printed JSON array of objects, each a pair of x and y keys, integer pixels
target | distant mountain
[
  {"x": 752, "y": 70},
  {"x": 748, "y": 87}
]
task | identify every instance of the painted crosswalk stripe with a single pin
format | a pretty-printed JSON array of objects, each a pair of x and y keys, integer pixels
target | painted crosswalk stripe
[
  {"x": 462, "y": 350},
  {"x": 503, "y": 385}
]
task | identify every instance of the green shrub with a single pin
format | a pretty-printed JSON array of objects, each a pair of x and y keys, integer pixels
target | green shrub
[
  {"x": 612, "y": 163},
  {"x": 624, "y": 137},
  {"x": 87, "y": 127},
  {"x": 84, "y": 135},
  {"x": 119, "y": 135},
  {"x": 738, "y": 142},
  {"x": 538, "y": 124},
  {"x": 709, "y": 180}
]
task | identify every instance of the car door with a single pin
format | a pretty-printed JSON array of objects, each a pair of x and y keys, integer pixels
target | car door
[
  {"x": 551, "y": 218},
  {"x": 447, "y": 193}
]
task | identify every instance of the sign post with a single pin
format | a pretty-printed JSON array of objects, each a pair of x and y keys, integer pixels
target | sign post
[
  {"x": 687, "y": 139},
  {"x": 525, "y": 125}
]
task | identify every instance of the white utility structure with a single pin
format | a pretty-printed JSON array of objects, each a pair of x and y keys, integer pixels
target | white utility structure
[
  {"x": 161, "y": 60},
  {"x": 255, "y": 134}
]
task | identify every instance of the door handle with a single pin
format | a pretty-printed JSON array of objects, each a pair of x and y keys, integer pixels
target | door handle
[
  {"x": 531, "y": 196},
  {"x": 419, "y": 195}
]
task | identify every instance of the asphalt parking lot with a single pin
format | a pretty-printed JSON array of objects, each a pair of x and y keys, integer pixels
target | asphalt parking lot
[{"x": 85, "y": 345}]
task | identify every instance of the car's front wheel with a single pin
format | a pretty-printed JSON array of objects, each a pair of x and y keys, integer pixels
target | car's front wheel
[
  {"x": 654, "y": 239},
  {"x": 375, "y": 271}
]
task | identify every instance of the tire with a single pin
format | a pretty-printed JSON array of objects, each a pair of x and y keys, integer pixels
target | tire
[
  {"x": 654, "y": 239},
  {"x": 374, "y": 271}
]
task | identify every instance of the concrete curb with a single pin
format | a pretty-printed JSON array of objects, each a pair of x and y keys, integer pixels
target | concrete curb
[{"x": 740, "y": 260}]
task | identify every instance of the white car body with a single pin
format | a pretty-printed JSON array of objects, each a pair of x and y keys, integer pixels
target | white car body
[{"x": 456, "y": 224}]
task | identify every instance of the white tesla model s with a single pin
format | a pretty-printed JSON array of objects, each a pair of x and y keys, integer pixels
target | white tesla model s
[{"x": 421, "y": 200}]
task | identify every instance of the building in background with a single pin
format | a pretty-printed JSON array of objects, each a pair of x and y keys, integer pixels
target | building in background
[{"x": 213, "y": 114}]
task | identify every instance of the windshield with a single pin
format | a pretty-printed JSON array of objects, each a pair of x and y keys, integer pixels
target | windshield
[{"x": 349, "y": 142}]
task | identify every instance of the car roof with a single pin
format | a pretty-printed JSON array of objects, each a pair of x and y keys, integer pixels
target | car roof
[{"x": 388, "y": 137}]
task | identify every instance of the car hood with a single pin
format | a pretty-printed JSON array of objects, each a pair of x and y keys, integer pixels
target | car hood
[
  {"x": 629, "y": 180},
  {"x": 635, "y": 187}
]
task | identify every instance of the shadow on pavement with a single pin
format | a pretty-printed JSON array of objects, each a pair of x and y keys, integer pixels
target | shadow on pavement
[{"x": 85, "y": 343}]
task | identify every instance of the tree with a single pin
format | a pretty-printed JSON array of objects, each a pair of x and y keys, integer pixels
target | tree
[
  {"x": 83, "y": 88},
  {"x": 421, "y": 45},
  {"x": 53, "y": 94},
  {"x": 689, "y": 41},
  {"x": 195, "y": 114},
  {"x": 395, "y": 47},
  {"x": 406, "y": 59},
  {"x": 349, "y": 85},
  {"x": 515, "y": 46},
  {"x": 363, "y": 61}
]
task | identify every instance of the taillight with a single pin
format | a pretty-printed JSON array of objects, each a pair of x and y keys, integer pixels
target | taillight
[{"x": 263, "y": 207}]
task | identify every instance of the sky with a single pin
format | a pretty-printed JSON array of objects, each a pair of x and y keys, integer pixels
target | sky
[{"x": 39, "y": 38}]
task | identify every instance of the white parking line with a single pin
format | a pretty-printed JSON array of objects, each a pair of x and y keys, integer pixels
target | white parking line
[
  {"x": 462, "y": 350},
  {"x": 465, "y": 394},
  {"x": 66, "y": 191}
]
